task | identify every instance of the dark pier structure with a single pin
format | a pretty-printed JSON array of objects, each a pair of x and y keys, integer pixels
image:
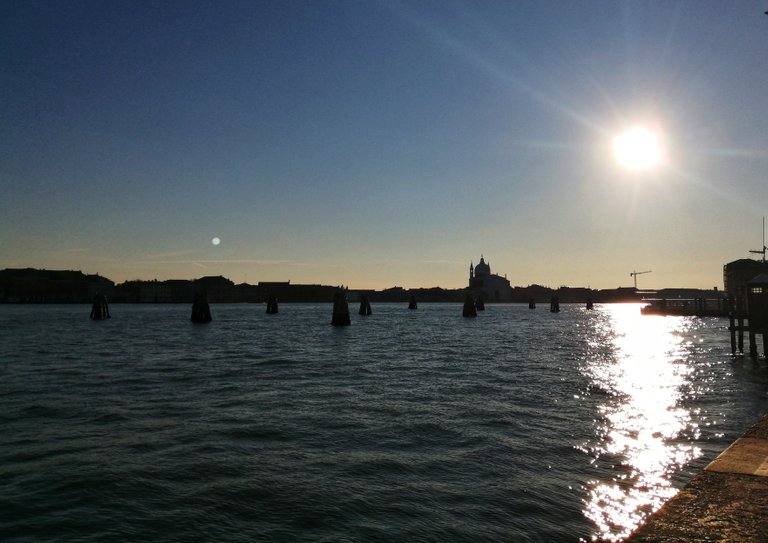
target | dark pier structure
[
  {"x": 412, "y": 304},
  {"x": 746, "y": 282},
  {"x": 554, "y": 304},
  {"x": 756, "y": 322},
  {"x": 201, "y": 311},
  {"x": 699, "y": 306},
  {"x": 100, "y": 309},
  {"x": 340, "y": 309}
]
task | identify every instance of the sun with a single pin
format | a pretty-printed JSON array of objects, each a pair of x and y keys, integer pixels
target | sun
[{"x": 638, "y": 149}]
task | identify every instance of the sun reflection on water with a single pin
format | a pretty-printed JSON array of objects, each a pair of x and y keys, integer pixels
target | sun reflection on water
[{"x": 643, "y": 378}]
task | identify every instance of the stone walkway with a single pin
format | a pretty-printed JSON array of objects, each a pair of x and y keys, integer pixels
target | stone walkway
[{"x": 727, "y": 502}]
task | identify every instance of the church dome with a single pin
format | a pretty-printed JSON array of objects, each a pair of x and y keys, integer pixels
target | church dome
[{"x": 482, "y": 268}]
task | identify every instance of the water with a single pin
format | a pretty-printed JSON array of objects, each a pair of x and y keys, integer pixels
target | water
[{"x": 519, "y": 425}]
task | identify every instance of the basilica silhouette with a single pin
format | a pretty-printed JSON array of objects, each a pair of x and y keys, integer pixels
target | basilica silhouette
[{"x": 492, "y": 288}]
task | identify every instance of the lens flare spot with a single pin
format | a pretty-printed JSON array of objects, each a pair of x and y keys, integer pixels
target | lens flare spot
[{"x": 216, "y": 241}]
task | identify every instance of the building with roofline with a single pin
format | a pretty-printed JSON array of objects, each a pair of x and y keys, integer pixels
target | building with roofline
[{"x": 492, "y": 287}]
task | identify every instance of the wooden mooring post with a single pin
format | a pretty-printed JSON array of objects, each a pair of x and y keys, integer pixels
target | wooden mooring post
[
  {"x": 100, "y": 308},
  {"x": 201, "y": 311},
  {"x": 340, "y": 308},
  {"x": 272, "y": 305},
  {"x": 469, "y": 309},
  {"x": 365, "y": 306}
]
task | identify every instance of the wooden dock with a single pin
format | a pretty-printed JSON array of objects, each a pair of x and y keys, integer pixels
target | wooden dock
[
  {"x": 741, "y": 324},
  {"x": 688, "y": 307}
]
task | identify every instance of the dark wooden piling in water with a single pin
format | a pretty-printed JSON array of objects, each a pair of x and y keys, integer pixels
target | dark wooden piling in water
[
  {"x": 272, "y": 304},
  {"x": 531, "y": 303},
  {"x": 365, "y": 306},
  {"x": 480, "y": 303},
  {"x": 340, "y": 309},
  {"x": 554, "y": 304},
  {"x": 590, "y": 303},
  {"x": 412, "y": 304},
  {"x": 469, "y": 309},
  {"x": 100, "y": 308},
  {"x": 201, "y": 311}
]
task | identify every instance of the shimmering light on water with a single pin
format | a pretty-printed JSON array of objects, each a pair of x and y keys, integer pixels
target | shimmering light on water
[{"x": 645, "y": 379}]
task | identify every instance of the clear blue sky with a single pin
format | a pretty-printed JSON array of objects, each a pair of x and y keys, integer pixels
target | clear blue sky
[{"x": 383, "y": 143}]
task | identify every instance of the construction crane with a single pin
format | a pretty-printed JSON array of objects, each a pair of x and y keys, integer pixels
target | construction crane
[
  {"x": 636, "y": 273},
  {"x": 762, "y": 251}
]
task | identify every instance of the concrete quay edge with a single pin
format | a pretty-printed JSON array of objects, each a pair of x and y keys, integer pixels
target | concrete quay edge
[{"x": 726, "y": 502}]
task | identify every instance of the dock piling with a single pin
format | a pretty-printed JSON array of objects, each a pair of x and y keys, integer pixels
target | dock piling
[
  {"x": 100, "y": 309},
  {"x": 201, "y": 311},
  {"x": 272, "y": 304},
  {"x": 469, "y": 309},
  {"x": 365, "y": 306},
  {"x": 340, "y": 309}
]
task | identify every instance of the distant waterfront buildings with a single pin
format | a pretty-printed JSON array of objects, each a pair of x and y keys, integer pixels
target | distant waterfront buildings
[
  {"x": 63, "y": 286},
  {"x": 29, "y": 285}
]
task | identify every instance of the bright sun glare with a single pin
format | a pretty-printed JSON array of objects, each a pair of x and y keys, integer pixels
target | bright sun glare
[{"x": 638, "y": 149}]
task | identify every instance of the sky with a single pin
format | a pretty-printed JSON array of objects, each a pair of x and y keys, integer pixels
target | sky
[{"x": 383, "y": 143}]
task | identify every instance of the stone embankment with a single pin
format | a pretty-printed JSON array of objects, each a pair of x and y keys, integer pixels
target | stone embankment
[{"x": 728, "y": 501}]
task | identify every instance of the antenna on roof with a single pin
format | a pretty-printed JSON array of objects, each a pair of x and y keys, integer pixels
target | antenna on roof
[{"x": 763, "y": 250}]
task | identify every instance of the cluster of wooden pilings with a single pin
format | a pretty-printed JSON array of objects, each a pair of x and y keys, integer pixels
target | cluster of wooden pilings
[
  {"x": 201, "y": 311},
  {"x": 340, "y": 309},
  {"x": 365, "y": 306},
  {"x": 100, "y": 308},
  {"x": 469, "y": 309},
  {"x": 472, "y": 305},
  {"x": 737, "y": 327}
]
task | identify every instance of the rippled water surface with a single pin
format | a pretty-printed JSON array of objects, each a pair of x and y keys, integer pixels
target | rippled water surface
[{"x": 519, "y": 425}]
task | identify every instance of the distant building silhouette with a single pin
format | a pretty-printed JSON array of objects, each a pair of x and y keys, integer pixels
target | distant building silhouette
[
  {"x": 62, "y": 286},
  {"x": 29, "y": 285},
  {"x": 490, "y": 287},
  {"x": 736, "y": 274}
]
